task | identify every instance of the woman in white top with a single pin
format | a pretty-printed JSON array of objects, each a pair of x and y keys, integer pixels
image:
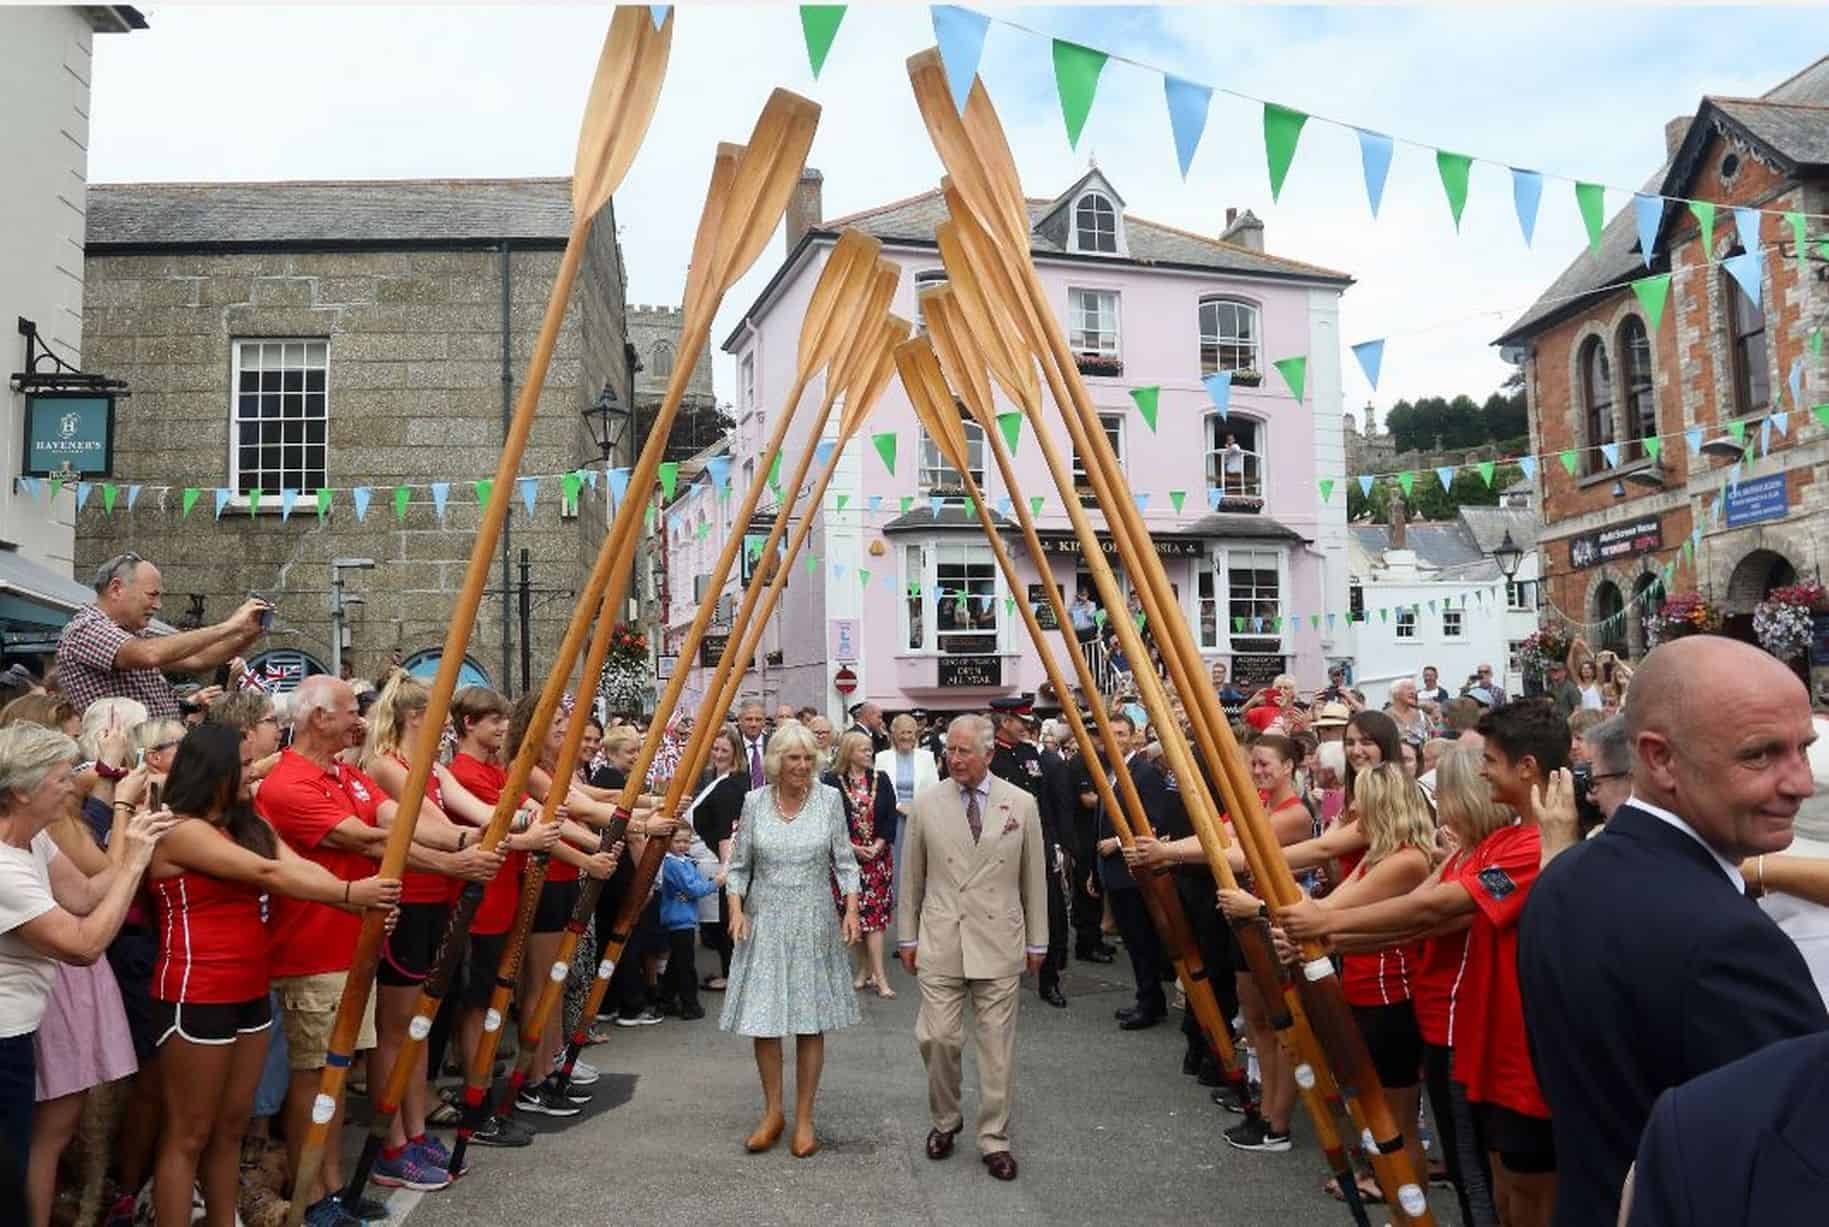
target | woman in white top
[
  {"x": 50, "y": 911},
  {"x": 910, "y": 768},
  {"x": 1586, "y": 672}
]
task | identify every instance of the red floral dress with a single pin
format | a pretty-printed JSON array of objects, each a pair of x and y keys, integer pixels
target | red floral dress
[{"x": 875, "y": 901}]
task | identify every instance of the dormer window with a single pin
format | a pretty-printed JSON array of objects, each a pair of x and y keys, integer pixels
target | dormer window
[{"x": 1095, "y": 224}]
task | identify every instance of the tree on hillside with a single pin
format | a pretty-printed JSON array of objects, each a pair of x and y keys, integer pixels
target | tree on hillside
[
  {"x": 1427, "y": 500},
  {"x": 1434, "y": 423}
]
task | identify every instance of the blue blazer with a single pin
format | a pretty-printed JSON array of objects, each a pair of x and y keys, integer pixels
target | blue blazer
[
  {"x": 1642, "y": 967},
  {"x": 1743, "y": 1145}
]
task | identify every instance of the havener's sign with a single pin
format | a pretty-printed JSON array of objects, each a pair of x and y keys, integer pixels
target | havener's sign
[
  {"x": 1639, "y": 536},
  {"x": 1166, "y": 547},
  {"x": 68, "y": 432}
]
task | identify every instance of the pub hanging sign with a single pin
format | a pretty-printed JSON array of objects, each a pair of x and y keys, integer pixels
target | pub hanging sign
[{"x": 69, "y": 434}]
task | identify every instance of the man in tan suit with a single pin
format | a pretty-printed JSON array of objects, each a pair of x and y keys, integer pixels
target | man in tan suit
[{"x": 972, "y": 912}]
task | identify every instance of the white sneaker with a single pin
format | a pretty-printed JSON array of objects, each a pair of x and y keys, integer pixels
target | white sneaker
[{"x": 583, "y": 1072}]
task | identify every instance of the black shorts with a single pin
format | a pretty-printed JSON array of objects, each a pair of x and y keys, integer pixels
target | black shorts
[
  {"x": 132, "y": 956},
  {"x": 211, "y": 1022},
  {"x": 1524, "y": 1144},
  {"x": 558, "y": 900},
  {"x": 1394, "y": 1040},
  {"x": 479, "y": 972},
  {"x": 410, "y": 950}
]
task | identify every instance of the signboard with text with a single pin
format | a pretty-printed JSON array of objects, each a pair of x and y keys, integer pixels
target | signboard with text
[
  {"x": 710, "y": 648},
  {"x": 960, "y": 672},
  {"x": 1166, "y": 547},
  {"x": 1640, "y": 536},
  {"x": 1762, "y": 498},
  {"x": 1043, "y": 607},
  {"x": 841, "y": 644},
  {"x": 73, "y": 429}
]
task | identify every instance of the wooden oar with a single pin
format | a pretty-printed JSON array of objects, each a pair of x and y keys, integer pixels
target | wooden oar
[
  {"x": 983, "y": 176},
  {"x": 855, "y": 290},
  {"x": 954, "y": 349},
  {"x": 623, "y": 95},
  {"x": 868, "y": 377}
]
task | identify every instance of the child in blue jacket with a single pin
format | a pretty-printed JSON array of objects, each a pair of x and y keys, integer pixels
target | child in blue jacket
[{"x": 681, "y": 887}]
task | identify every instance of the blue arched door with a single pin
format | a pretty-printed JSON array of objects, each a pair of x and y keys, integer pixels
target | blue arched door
[{"x": 425, "y": 664}]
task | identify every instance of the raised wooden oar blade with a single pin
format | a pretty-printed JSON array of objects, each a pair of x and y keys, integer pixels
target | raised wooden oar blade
[
  {"x": 959, "y": 356},
  {"x": 1012, "y": 365},
  {"x": 843, "y": 284},
  {"x": 867, "y": 387},
  {"x": 985, "y": 273},
  {"x": 926, "y": 389},
  {"x": 770, "y": 169},
  {"x": 855, "y": 349},
  {"x": 701, "y": 287},
  {"x": 947, "y": 130},
  {"x": 620, "y": 106}
]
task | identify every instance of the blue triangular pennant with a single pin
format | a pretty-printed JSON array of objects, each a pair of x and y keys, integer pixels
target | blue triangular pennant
[
  {"x": 822, "y": 451},
  {"x": 960, "y": 34},
  {"x": 1213, "y": 497},
  {"x": 935, "y": 504},
  {"x": 875, "y": 502},
  {"x": 1188, "y": 103},
  {"x": 1781, "y": 421},
  {"x": 1005, "y": 506},
  {"x": 1375, "y": 158},
  {"x": 1796, "y": 382},
  {"x": 222, "y": 500},
  {"x": 1142, "y": 500},
  {"x": 1746, "y": 221},
  {"x": 1526, "y": 192},
  {"x": 719, "y": 468},
  {"x": 83, "y": 490},
  {"x": 133, "y": 496},
  {"x": 360, "y": 496},
  {"x": 1693, "y": 437},
  {"x": 1610, "y": 452},
  {"x": 1445, "y": 475},
  {"x": 590, "y": 475},
  {"x": 1219, "y": 388},
  {"x": 657, "y": 13},
  {"x": 1649, "y": 212},
  {"x": 838, "y": 570},
  {"x": 1365, "y": 485},
  {"x": 619, "y": 484},
  {"x": 1528, "y": 465},
  {"x": 530, "y": 489},
  {"x": 1745, "y": 270},
  {"x": 1371, "y": 359},
  {"x": 1330, "y": 622},
  {"x": 287, "y": 497},
  {"x": 441, "y": 493}
]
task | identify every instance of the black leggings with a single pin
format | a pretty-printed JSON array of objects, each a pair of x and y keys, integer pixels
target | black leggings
[{"x": 1467, "y": 1164}]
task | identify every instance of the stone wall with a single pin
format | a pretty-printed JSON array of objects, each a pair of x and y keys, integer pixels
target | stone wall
[{"x": 415, "y": 395}]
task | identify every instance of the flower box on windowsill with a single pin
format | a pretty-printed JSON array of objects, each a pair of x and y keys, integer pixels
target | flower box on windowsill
[
  {"x": 1247, "y": 378},
  {"x": 1099, "y": 364},
  {"x": 1241, "y": 503}
]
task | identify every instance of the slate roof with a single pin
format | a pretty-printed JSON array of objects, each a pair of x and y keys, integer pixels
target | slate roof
[
  {"x": 1791, "y": 120},
  {"x": 334, "y": 213},
  {"x": 952, "y": 516},
  {"x": 914, "y": 220},
  {"x": 1490, "y": 524},
  {"x": 1443, "y": 546}
]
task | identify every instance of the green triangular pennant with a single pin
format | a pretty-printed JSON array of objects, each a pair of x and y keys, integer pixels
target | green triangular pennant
[
  {"x": 1568, "y": 460},
  {"x": 819, "y": 22},
  {"x": 1486, "y": 468},
  {"x": 57, "y": 485},
  {"x": 812, "y": 563},
  {"x": 1177, "y": 498},
  {"x": 1146, "y": 404},
  {"x": 774, "y": 475},
  {"x": 863, "y": 578},
  {"x": 1295, "y": 373},
  {"x": 1652, "y": 293},
  {"x": 1238, "y": 626},
  {"x": 1011, "y": 426},
  {"x": 1591, "y": 199},
  {"x": 971, "y": 506},
  {"x": 1816, "y": 342},
  {"x": 1009, "y": 607},
  {"x": 1314, "y": 622},
  {"x": 323, "y": 503},
  {"x": 1704, "y": 211},
  {"x": 1738, "y": 430},
  {"x": 1384, "y": 613},
  {"x": 1822, "y": 415},
  {"x": 483, "y": 487},
  {"x": 1098, "y": 616},
  {"x": 842, "y": 500},
  {"x": 1798, "y": 234},
  {"x": 1035, "y": 504},
  {"x": 402, "y": 496},
  {"x": 110, "y": 492},
  {"x": 647, "y": 518},
  {"x": 907, "y": 502},
  {"x": 253, "y": 502},
  {"x": 702, "y": 529},
  {"x": 670, "y": 475},
  {"x": 1327, "y": 489},
  {"x": 1282, "y": 129},
  {"x": 1076, "y": 79},
  {"x": 1406, "y": 480},
  {"x": 885, "y": 447},
  {"x": 1654, "y": 446},
  {"x": 189, "y": 500},
  {"x": 1454, "y": 168},
  {"x": 569, "y": 486}
]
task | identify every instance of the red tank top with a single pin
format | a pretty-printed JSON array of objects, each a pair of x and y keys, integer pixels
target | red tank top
[
  {"x": 212, "y": 941},
  {"x": 1381, "y": 977},
  {"x": 558, "y": 871},
  {"x": 503, "y": 893},
  {"x": 1437, "y": 974},
  {"x": 422, "y": 885}
]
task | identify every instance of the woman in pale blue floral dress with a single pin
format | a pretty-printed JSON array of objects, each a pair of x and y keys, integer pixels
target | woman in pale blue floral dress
[{"x": 790, "y": 975}]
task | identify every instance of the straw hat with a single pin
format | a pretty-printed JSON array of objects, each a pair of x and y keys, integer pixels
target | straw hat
[{"x": 1332, "y": 716}]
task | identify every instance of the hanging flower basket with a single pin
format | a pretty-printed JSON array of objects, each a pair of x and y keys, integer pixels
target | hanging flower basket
[
  {"x": 626, "y": 670},
  {"x": 1544, "y": 647},
  {"x": 1685, "y": 614},
  {"x": 1099, "y": 364},
  {"x": 1783, "y": 622}
]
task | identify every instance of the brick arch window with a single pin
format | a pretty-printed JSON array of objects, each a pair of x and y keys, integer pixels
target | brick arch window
[
  {"x": 1609, "y": 604},
  {"x": 1635, "y": 376},
  {"x": 1596, "y": 371},
  {"x": 1746, "y": 341}
]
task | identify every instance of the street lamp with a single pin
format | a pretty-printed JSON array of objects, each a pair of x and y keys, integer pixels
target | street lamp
[
  {"x": 1508, "y": 556},
  {"x": 339, "y": 607},
  {"x": 606, "y": 419}
]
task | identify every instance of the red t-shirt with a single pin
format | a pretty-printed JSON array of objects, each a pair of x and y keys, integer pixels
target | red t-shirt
[
  {"x": 305, "y": 803},
  {"x": 1263, "y": 715},
  {"x": 423, "y": 885},
  {"x": 212, "y": 944},
  {"x": 1437, "y": 972},
  {"x": 1491, "y": 1054},
  {"x": 503, "y": 892}
]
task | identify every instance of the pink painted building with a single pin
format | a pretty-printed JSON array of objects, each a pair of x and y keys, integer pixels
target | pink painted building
[{"x": 906, "y": 592}]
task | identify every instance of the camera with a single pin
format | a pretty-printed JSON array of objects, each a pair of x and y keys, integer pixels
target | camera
[{"x": 1587, "y": 814}]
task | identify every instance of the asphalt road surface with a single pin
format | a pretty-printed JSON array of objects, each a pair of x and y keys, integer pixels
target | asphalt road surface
[{"x": 1106, "y": 1130}]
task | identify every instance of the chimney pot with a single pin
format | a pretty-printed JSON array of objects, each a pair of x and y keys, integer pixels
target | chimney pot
[
  {"x": 1231, "y": 216},
  {"x": 1243, "y": 229},
  {"x": 806, "y": 207},
  {"x": 1674, "y": 132}
]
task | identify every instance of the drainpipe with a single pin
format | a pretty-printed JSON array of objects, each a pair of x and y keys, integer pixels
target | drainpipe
[{"x": 507, "y": 417}]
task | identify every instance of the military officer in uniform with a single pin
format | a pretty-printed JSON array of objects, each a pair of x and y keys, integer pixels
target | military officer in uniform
[{"x": 1018, "y": 761}]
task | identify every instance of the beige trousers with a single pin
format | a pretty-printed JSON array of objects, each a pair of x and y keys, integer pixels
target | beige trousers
[{"x": 940, "y": 1035}]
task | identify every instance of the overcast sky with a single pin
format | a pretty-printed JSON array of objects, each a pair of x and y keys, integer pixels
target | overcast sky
[{"x": 252, "y": 93}]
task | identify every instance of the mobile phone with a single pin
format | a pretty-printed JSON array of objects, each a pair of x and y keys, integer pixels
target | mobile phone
[
  {"x": 266, "y": 615},
  {"x": 153, "y": 797}
]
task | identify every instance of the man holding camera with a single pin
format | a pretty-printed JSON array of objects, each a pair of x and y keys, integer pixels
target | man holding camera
[{"x": 109, "y": 649}]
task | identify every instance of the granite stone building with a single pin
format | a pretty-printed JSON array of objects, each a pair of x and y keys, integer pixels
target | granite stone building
[
  {"x": 293, "y": 336},
  {"x": 1661, "y": 415}
]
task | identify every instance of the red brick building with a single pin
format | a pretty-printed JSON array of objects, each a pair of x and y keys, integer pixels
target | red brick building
[{"x": 1601, "y": 381}]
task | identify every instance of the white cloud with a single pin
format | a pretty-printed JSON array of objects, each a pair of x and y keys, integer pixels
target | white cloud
[{"x": 258, "y": 93}]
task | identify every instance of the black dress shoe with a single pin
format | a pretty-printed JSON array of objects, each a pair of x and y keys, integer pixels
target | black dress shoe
[
  {"x": 1210, "y": 1073},
  {"x": 1054, "y": 997},
  {"x": 1124, "y": 1012},
  {"x": 1190, "y": 1063},
  {"x": 940, "y": 1142},
  {"x": 1002, "y": 1164},
  {"x": 1099, "y": 954},
  {"x": 1139, "y": 1022}
]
